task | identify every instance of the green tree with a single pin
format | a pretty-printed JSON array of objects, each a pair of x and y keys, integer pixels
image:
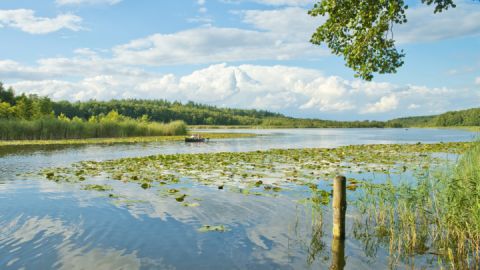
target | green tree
[
  {"x": 6, "y": 110},
  {"x": 42, "y": 107},
  {"x": 7, "y": 95},
  {"x": 362, "y": 32},
  {"x": 24, "y": 107}
]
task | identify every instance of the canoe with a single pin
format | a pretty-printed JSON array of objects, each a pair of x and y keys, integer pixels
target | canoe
[{"x": 187, "y": 139}]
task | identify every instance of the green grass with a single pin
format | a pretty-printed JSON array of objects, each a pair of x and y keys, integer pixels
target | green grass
[
  {"x": 437, "y": 216},
  {"x": 50, "y": 128},
  {"x": 467, "y": 128}
]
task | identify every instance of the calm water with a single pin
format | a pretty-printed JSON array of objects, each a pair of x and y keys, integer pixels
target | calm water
[{"x": 45, "y": 225}]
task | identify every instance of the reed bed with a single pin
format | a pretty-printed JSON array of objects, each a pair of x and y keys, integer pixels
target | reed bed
[
  {"x": 50, "y": 128},
  {"x": 437, "y": 217}
]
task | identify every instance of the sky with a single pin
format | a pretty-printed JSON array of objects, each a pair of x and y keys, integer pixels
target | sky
[{"x": 252, "y": 54}]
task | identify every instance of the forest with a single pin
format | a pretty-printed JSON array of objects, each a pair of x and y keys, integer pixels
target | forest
[
  {"x": 31, "y": 117},
  {"x": 462, "y": 118}
]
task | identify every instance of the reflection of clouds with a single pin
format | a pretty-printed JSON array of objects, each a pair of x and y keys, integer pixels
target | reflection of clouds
[
  {"x": 73, "y": 258},
  {"x": 278, "y": 230},
  {"x": 23, "y": 232},
  {"x": 19, "y": 233},
  {"x": 268, "y": 222}
]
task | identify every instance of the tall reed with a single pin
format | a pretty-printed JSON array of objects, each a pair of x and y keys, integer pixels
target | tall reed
[
  {"x": 437, "y": 217},
  {"x": 54, "y": 128}
]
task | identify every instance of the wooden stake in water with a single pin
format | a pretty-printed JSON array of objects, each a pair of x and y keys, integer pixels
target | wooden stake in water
[{"x": 339, "y": 206}]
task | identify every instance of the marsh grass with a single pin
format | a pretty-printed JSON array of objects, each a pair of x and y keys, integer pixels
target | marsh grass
[
  {"x": 50, "y": 128},
  {"x": 437, "y": 217}
]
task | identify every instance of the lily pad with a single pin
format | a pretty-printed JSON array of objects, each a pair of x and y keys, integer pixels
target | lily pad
[{"x": 213, "y": 228}]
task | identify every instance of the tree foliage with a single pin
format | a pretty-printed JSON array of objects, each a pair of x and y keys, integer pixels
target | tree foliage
[
  {"x": 362, "y": 32},
  {"x": 32, "y": 117},
  {"x": 470, "y": 117}
]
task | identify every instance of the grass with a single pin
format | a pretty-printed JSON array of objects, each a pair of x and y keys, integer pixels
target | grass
[
  {"x": 142, "y": 139},
  {"x": 437, "y": 216},
  {"x": 466, "y": 128},
  {"x": 110, "y": 126}
]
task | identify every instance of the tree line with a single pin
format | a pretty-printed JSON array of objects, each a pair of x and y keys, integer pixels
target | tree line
[
  {"x": 470, "y": 117},
  {"x": 32, "y": 117}
]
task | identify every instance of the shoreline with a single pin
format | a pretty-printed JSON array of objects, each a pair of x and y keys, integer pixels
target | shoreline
[{"x": 146, "y": 139}]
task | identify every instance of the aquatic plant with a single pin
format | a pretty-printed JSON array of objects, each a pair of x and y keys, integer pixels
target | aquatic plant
[
  {"x": 437, "y": 216},
  {"x": 97, "y": 187},
  {"x": 111, "y": 125},
  {"x": 265, "y": 173},
  {"x": 213, "y": 228}
]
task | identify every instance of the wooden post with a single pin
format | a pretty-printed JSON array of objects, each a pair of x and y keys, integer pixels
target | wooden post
[{"x": 339, "y": 206}]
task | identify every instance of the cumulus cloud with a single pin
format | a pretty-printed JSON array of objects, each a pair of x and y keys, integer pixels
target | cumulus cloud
[
  {"x": 385, "y": 104},
  {"x": 86, "y": 64},
  {"x": 477, "y": 81},
  {"x": 88, "y": 2},
  {"x": 25, "y": 20},
  {"x": 281, "y": 34},
  {"x": 210, "y": 45},
  {"x": 292, "y": 90}
]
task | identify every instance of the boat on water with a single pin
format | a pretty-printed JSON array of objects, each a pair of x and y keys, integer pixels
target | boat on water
[{"x": 196, "y": 138}]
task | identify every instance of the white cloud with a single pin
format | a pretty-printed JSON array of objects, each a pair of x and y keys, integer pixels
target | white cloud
[
  {"x": 87, "y": 2},
  {"x": 25, "y": 20},
  {"x": 212, "y": 44},
  {"x": 477, "y": 81},
  {"x": 292, "y": 22},
  {"x": 276, "y": 35},
  {"x": 85, "y": 64},
  {"x": 385, "y": 104},
  {"x": 293, "y": 90}
]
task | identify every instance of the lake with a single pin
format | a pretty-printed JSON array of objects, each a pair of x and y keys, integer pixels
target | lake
[{"x": 50, "y": 225}]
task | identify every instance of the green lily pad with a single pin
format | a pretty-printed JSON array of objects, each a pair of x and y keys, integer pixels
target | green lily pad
[{"x": 213, "y": 228}]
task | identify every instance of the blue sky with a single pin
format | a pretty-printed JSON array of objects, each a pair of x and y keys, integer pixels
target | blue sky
[{"x": 233, "y": 53}]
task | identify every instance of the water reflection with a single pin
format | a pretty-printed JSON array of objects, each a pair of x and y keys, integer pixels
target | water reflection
[
  {"x": 82, "y": 258},
  {"x": 47, "y": 225}
]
